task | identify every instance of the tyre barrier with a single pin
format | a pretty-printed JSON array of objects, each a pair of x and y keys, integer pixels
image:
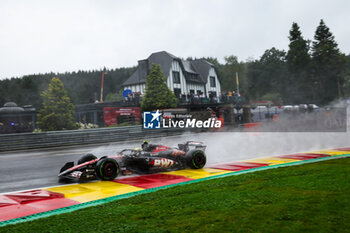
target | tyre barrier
[{"x": 25, "y": 206}]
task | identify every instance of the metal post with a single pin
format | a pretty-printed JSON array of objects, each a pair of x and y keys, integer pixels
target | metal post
[
  {"x": 237, "y": 82},
  {"x": 103, "y": 77}
]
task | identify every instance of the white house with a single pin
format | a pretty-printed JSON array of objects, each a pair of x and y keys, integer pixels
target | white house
[{"x": 183, "y": 77}]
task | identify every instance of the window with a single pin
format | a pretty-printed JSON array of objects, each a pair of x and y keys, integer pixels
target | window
[
  {"x": 177, "y": 92},
  {"x": 176, "y": 77},
  {"x": 212, "y": 81},
  {"x": 212, "y": 94}
]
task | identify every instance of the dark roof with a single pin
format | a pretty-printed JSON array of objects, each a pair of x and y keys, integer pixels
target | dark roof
[
  {"x": 203, "y": 68},
  {"x": 138, "y": 76},
  {"x": 164, "y": 59},
  {"x": 188, "y": 67},
  {"x": 11, "y": 107},
  {"x": 195, "y": 71}
]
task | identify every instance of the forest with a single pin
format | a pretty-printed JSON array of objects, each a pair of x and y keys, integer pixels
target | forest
[
  {"x": 311, "y": 71},
  {"x": 83, "y": 87}
]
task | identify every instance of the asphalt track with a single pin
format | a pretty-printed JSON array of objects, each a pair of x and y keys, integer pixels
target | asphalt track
[
  {"x": 22, "y": 170},
  {"x": 27, "y": 170}
]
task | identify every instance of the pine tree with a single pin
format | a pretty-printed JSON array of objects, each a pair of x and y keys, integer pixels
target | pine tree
[
  {"x": 298, "y": 87},
  {"x": 298, "y": 56},
  {"x": 158, "y": 95},
  {"x": 328, "y": 64},
  {"x": 57, "y": 112}
]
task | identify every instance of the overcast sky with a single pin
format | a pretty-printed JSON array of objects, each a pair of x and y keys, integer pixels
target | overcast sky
[{"x": 40, "y": 36}]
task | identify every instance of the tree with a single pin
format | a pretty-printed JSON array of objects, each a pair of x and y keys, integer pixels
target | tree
[
  {"x": 57, "y": 112},
  {"x": 267, "y": 75},
  {"x": 117, "y": 96},
  {"x": 158, "y": 95},
  {"x": 228, "y": 74},
  {"x": 328, "y": 65},
  {"x": 298, "y": 87},
  {"x": 82, "y": 87},
  {"x": 347, "y": 78},
  {"x": 297, "y": 56}
]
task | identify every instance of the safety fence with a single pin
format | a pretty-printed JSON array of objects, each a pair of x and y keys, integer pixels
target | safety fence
[{"x": 79, "y": 137}]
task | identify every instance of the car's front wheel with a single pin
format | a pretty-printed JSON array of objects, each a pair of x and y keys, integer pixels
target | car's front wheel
[{"x": 107, "y": 169}]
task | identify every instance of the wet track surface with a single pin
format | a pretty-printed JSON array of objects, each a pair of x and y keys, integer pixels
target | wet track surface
[{"x": 21, "y": 170}]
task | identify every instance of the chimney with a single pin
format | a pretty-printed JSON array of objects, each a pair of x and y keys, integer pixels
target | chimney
[{"x": 143, "y": 69}]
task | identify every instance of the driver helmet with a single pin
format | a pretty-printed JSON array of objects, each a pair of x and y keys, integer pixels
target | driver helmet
[{"x": 145, "y": 144}]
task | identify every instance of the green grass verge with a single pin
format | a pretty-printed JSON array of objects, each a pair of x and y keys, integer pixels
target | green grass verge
[{"x": 306, "y": 198}]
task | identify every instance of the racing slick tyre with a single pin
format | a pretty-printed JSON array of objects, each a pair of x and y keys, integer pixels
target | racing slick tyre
[
  {"x": 196, "y": 159},
  {"x": 107, "y": 169},
  {"x": 86, "y": 158}
]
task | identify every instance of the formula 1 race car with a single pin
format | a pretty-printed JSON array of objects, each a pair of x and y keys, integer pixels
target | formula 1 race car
[{"x": 151, "y": 158}]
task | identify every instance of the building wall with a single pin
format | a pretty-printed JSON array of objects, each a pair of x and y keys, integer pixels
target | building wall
[
  {"x": 137, "y": 88},
  {"x": 217, "y": 89},
  {"x": 196, "y": 87}
]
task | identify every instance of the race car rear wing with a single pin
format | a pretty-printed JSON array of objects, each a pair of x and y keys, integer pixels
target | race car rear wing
[{"x": 189, "y": 145}]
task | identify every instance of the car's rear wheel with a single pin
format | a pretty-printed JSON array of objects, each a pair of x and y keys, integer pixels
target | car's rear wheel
[
  {"x": 196, "y": 159},
  {"x": 86, "y": 158},
  {"x": 107, "y": 169}
]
